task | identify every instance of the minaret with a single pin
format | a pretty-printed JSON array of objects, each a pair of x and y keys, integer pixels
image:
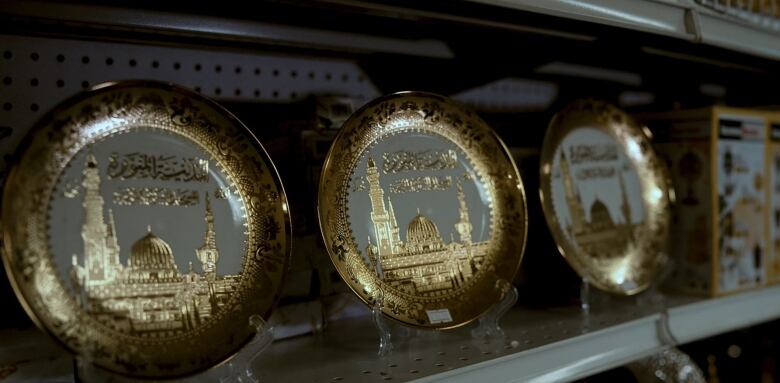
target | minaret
[
  {"x": 112, "y": 248},
  {"x": 395, "y": 234},
  {"x": 385, "y": 227},
  {"x": 94, "y": 232},
  {"x": 463, "y": 227},
  {"x": 77, "y": 280},
  {"x": 624, "y": 206},
  {"x": 208, "y": 254},
  {"x": 572, "y": 197}
]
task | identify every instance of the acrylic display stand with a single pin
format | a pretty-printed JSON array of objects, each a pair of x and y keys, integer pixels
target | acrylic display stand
[
  {"x": 485, "y": 333},
  {"x": 666, "y": 366},
  {"x": 237, "y": 370},
  {"x": 594, "y": 299}
]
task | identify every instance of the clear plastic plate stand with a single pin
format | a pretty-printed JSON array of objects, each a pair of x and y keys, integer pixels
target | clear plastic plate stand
[{"x": 487, "y": 331}]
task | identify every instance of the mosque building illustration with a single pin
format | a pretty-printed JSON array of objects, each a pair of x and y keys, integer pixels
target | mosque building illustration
[
  {"x": 148, "y": 297},
  {"x": 424, "y": 264},
  {"x": 601, "y": 236}
]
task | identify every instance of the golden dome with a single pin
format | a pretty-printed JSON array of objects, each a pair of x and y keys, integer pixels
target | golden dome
[
  {"x": 151, "y": 252},
  {"x": 599, "y": 215},
  {"x": 422, "y": 232}
]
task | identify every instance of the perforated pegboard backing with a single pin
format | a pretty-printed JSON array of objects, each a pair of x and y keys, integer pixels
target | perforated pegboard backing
[{"x": 38, "y": 73}]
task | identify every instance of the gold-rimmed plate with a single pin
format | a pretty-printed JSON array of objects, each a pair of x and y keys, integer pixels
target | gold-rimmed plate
[
  {"x": 606, "y": 196},
  {"x": 422, "y": 210},
  {"x": 143, "y": 226}
]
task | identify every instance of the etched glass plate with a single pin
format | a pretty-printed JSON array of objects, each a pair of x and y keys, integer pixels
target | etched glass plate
[
  {"x": 606, "y": 196},
  {"x": 422, "y": 210},
  {"x": 143, "y": 225}
]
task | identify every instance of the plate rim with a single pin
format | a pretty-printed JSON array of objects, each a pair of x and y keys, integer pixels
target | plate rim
[
  {"x": 328, "y": 163},
  {"x": 613, "y": 121},
  {"x": 69, "y": 102}
]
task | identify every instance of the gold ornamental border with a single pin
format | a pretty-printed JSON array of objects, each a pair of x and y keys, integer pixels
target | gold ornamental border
[
  {"x": 407, "y": 112},
  {"x": 115, "y": 108},
  {"x": 657, "y": 193}
]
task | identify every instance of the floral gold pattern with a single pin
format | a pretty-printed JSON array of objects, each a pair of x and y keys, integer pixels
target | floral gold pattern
[
  {"x": 466, "y": 291},
  {"x": 106, "y": 111}
]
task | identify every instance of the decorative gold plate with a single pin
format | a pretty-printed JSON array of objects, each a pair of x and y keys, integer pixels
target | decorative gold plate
[
  {"x": 606, "y": 196},
  {"x": 143, "y": 226},
  {"x": 422, "y": 210}
]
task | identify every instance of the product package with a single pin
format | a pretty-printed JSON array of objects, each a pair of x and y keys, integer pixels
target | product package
[
  {"x": 773, "y": 163},
  {"x": 719, "y": 165}
]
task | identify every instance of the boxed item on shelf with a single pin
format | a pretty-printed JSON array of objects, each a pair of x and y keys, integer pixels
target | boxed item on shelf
[
  {"x": 718, "y": 165},
  {"x": 773, "y": 163}
]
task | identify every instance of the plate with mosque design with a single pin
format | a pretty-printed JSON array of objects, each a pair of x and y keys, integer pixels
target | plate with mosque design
[
  {"x": 422, "y": 210},
  {"x": 606, "y": 196},
  {"x": 143, "y": 226}
]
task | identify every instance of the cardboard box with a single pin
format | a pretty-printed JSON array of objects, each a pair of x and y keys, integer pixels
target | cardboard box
[
  {"x": 773, "y": 192},
  {"x": 718, "y": 162}
]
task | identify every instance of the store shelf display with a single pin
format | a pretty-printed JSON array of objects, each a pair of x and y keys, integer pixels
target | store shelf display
[{"x": 293, "y": 73}]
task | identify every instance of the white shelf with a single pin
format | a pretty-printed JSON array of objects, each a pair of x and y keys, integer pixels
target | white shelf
[
  {"x": 715, "y": 316},
  {"x": 601, "y": 350},
  {"x": 545, "y": 345},
  {"x": 166, "y": 23},
  {"x": 566, "y": 360},
  {"x": 661, "y": 17},
  {"x": 683, "y": 19}
]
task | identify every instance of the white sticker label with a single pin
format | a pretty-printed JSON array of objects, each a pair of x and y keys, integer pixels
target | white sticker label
[{"x": 439, "y": 316}]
